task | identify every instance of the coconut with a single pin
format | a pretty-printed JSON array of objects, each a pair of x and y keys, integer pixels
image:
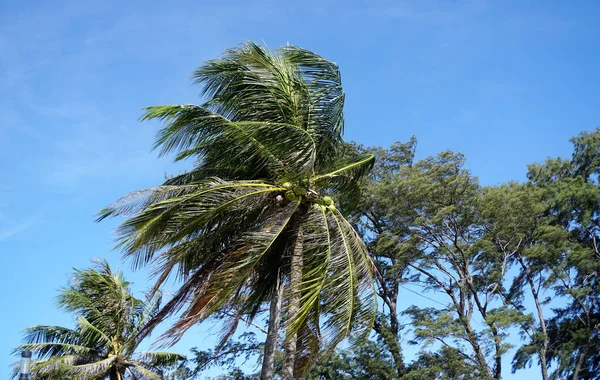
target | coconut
[
  {"x": 327, "y": 200},
  {"x": 305, "y": 182},
  {"x": 287, "y": 185},
  {"x": 299, "y": 190},
  {"x": 291, "y": 196},
  {"x": 323, "y": 208},
  {"x": 331, "y": 208}
]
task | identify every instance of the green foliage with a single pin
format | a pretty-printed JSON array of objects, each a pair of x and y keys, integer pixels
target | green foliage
[
  {"x": 430, "y": 227},
  {"x": 366, "y": 359},
  {"x": 447, "y": 364},
  {"x": 105, "y": 339},
  {"x": 572, "y": 198},
  {"x": 429, "y": 223},
  {"x": 246, "y": 347}
]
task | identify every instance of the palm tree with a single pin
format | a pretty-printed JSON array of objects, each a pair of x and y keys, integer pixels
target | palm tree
[
  {"x": 104, "y": 342},
  {"x": 256, "y": 212}
]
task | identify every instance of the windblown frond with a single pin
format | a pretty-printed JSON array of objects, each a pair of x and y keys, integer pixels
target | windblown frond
[
  {"x": 160, "y": 359},
  {"x": 237, "y": 267},
  {"x": 326, "y": 98},
  {"x": 251, "y": 84},
  {"x": 55, "y": 367},
  {"x": 94, "y": 370},
  {"x": 349, "y": 297},
  {"x": 263, "y": 148},
  {"x": 49, "y": 341},
  {"x": 212, "y": 204},
  {"x": 145, "y": 373},
  {"x": 336, "y": 283},
  {"x": 308, "y": 344},
  {"x": 347, "y": 171},
  {"x": 89, "y": 332}
]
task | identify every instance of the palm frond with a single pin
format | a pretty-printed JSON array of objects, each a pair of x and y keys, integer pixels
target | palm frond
[
  {"x": 237, "y": 267},
  {"x": 94, "y": 370},
  {"x": 366, "y": 301},
  {"x": 326, "y": 100},
  {"x": 145, "y": 373},
  {"x": 348, "y": 297},
  {"x": 89, "y": 332},
  {"x": 150, "y": 308},
  {"x": 160, "y": 359},
  {"x": 47, "y": 350},
  {"x": 262, "y": 147},
  {"x": 308, "y": 344},
  {"x": 293, "y": 146},
  {"x": 194, "y": 283},
  {"x": 186, "y": 256},
  {"x": 56, "y": 367},
  {"x": 51, "y": 334},
  {"x": 180, "y": 218},
  {"x": 343, "y": 178},
  {"x": 135, "y": 201},
  {"x": 351, "y": 170},
  {"x": 340, "y": 291},
  {"x": 251, "y": 83},
  {"x": 50, "y": 341}
]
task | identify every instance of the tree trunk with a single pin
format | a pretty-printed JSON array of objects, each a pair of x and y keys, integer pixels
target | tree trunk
[
  {"x": 543, "y": 350},
  {"x": 391, "y": 340},
  {"x": 295, "y": 277},
  {"x": 472, "y": 337},
  {"x": 580, "y": 361},
  {"x": 578, "y": 366},
  {"x": 272, "y": 333},
  {"x": 394, "y": 343},
  {"x": 390, "y": 334},
  {"x": 497, "y": 355}
]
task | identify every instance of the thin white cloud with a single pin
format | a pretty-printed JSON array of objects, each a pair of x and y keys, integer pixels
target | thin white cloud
[{"x": 8, "y": 231}]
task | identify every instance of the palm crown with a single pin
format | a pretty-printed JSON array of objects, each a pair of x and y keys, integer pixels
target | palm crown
[
  {"x": 105, "y": 340},
  {"x": 268, "y": 154}
]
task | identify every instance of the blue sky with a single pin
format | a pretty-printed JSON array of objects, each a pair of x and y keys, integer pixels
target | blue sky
[{"x": 507, "y": 83}]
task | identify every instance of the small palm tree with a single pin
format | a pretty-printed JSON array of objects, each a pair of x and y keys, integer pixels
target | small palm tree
[
  {"x": 104, "y": 343},
  {"x": 257, "y": 211}
]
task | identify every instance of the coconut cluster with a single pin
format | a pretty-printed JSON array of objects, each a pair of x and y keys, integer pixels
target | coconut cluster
[{"x": 302, "y": 192}]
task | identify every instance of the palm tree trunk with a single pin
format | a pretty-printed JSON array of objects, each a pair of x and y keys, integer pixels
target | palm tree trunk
[
  {"x": 266, "y": 372},
  {"x": 294, "y": 299}
]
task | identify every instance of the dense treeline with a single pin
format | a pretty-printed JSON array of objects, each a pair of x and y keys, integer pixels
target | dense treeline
[
  {"x": 519, "y": 257},
  {"x": 507, "y": 270}
]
